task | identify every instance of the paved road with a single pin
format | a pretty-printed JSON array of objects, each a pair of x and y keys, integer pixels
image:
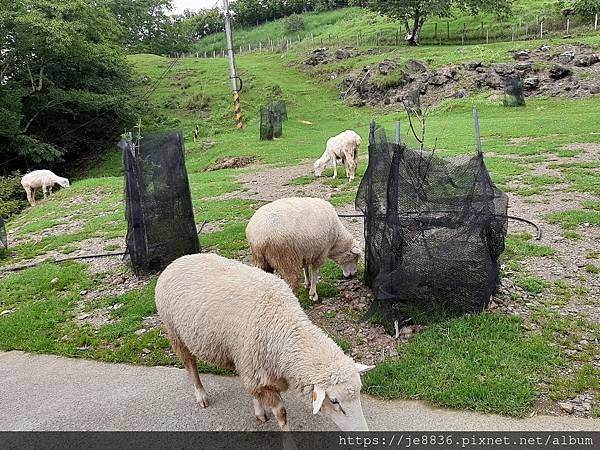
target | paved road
[{"x": 39, "y": 392}]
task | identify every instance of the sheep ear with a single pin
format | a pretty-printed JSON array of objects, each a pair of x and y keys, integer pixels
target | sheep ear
[
  {"x": 362, "y": 368},
  {"x": 356, "y": 250},
  {"x": 318, "y": 396}
]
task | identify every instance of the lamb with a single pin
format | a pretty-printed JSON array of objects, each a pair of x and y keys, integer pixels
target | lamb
[
  {"x": 295, "y": 234},
  {"x": 238, "y": 317},
  {"x": 44, "y": 179},
  {"x": 345, "y": 148}
]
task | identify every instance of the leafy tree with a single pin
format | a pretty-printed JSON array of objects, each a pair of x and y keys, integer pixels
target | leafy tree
[
  {"x": 587, "y": 8},
  {"x": 64, "y": 81},
  {"x": 413, "y": 13}
]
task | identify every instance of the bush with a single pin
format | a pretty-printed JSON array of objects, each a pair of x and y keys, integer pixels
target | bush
[
  {"x": 587, "y": 8},
  {"x": 294, "y": 23},
  {"x": 12, "y": 196}
]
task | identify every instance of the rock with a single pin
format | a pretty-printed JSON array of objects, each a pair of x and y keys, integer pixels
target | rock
[
  {"x": 83, "y": 292},
  {"x": 544, "y": 48},
  {"x": 558, "y": 72},
  {"x": 438, "y": 80},
  {"x": 386, "y": 66},
  {"x": 566, "y": 57},
  {"x": 448, "y": 72},
  {"x": 145, "y": 351},
  {"x": 521, "y": 55},
  {"x": 523, "y": 66},
  {"x": 460, "y": 94},
  {"x": 585, "y": 60},
  {"x": 140, "y": 332},
  {"x": 318, "y": 56},
  {"x": 503, "y": 69},
  {"x": 481, "y": 69},
  {"x": 343, "y": 53},
  {"x": 54, "y": 280},
  {"x": 567, "y": 407},
  {"x": 493, "y": 80},
  {"x": 529, "y": 84},
  {"x": 414, "y": 65},
  {"x": 595, "y": 89},
  {"x": 119, "y": 280}
]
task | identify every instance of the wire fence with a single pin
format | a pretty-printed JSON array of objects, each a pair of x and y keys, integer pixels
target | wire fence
[{"x": 432, "y": 33}]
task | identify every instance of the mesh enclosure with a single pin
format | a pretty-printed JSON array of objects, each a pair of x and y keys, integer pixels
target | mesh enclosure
[
  {"x": 160, "y": 217},
  {"x": 3, "y": 239},
  {"x": 272, "y": 117},
  {"x": 434, "y": 229},
  {"x": 513, "y": 92}
]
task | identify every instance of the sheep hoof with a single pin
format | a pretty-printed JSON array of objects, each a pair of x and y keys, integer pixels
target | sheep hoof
[
  {"x": 202, "y": 398},
  {"x": 262, "y": 418},
  {"x": 314, "y": 297}
]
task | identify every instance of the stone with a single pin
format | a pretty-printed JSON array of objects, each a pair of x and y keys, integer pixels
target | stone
[
  {"x": 530, "y": 84},
  {"x": 503, "y": 69},
  {"x": 585, "y": 60},
  {"x": 523, "y": 66},
  {"x": 544, "y": 48},
  {"x": 558, "y": 72},
  {"x": 472, "y": 65},
  {"x": 493, "y": 80},
  {"x": 54, "y": 280},
  {"x": 414, "y": 65},
  {"x": 567, "y": 407},
  {"x": 460, "y": 94},
  {"x": 438, "y": 80},
  {"x": 566, "y": 57},
  {"x": 521, "y": 55},
  {"x": 318, "y": 56},
  {"x": 386, "y": 66},
  {"x": 595, "y": 89},
  {"x": 140, "y": 332},
  {"x": 343, "y": 53}
]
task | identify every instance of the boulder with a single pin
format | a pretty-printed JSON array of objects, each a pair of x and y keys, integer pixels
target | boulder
[
  {"x": 566, "y": 57},
  {"x": 521, "y": 55},
  {"x": 523, "y": 66},
  {"x": 343, "y": 53},
  {"x": 493, "y": 80},
  {"x": 472, "y": 65},
  {"x": 318, "y": 56},
  {"x": 438, "y": 80},
  {"x": 530, "y": 84},
  {"x": 414, "y": 65},
  {"x": 386, "y": 66},
  {"x": 544, "y": 47},
  {"x": 503, "y": 69},
  {"x": 558, "y": 72},
  {"x": 586, "y": 60}
]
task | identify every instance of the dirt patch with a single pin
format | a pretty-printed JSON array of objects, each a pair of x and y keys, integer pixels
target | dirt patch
[{"x": 236, "y": 162}]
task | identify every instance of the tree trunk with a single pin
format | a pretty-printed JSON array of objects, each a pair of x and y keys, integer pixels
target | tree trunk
[{"x": 416, "y": 29}]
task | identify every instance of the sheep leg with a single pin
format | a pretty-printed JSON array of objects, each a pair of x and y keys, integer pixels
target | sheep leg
[
  {"x": 45, "y": 191},
  {"x": 306, "y": 277},
  {"x": 33, "y": 196},
  {"x": 30, "y": 196},
  {"x": 190, "y": 364},
  {"x": 272, "y": 399},
  {"x": 314, "y": 279},
  {"x": 259, "y": 410},
  {"x": 334, "y": 167}
]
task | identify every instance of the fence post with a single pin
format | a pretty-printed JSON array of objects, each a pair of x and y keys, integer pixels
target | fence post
[
  {"x": 260, "y": 46},
  {"x": 477, "y": 131},
  {"x": 398, "y": 132},
  {"x": 526, "y": 31},
  {"x": 568, "y": 23},
  {"x": 541, "y": 29},
  {"x": 487, "y": 35},
  {"x": 596, "y": 22},
  {"x": 397, "y": 38},
  {"x": 513, "y": 33},
  {"x": 214, "y": 53},
  {"x": 205, "y": 55}
]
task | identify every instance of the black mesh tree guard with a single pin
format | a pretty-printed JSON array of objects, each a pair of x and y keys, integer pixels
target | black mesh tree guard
[
  {"x": 3, "y": 239},
  {"x": 434, "y": 229},
  {"x": 513, "y": 92},
  {"x": 160, "y": 217},
  {"x": 272, "y": 117}
]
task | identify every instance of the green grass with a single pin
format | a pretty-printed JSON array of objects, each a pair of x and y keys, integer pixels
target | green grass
[
  {"x": 573, "y": 218},
  {"x": 479, "y": 362},
  {"x": 534, "y": 285},
  {"x": 519, "y": 245}
]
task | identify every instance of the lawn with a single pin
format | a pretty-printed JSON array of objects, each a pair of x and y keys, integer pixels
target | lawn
[{"x": 492, "y": 362}]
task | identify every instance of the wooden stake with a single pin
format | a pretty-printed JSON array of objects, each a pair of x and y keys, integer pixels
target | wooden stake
[{"x": 477, "y": 132}]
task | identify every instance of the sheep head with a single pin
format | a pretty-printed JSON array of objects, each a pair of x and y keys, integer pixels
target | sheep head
[
  {"x": 348, "y": 258},
  {"x": 341, "y": 402},
  {"x": 63, "y": 182}
]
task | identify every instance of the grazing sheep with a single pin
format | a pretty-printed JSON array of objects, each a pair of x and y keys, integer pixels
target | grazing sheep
[
  {"x": 341, "y": 148},
  {"x": 238, "y": 317},
  {"x": 41, "y": 179},
  {"x": 294, "y": 234}
]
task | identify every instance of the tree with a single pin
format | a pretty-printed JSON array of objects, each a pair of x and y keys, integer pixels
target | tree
[
  {"x": 413, "y": 13},
  {"x": 64, "y": 81},
  {"x": 587, "y": 8}
]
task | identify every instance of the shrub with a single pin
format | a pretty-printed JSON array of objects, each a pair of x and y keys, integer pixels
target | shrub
[
  {"x": 12, "y": 196},
  {"x": 294, "y": 23},
  {"x": 587, "y": 8}
]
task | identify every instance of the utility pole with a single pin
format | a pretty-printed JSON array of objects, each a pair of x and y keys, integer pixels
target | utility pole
[{"x": 237, "y": 107}]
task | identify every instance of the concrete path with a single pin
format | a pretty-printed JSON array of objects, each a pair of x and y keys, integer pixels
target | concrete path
[{"x": 39, "y": 392}]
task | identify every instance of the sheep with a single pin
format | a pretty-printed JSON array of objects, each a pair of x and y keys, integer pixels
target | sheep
[
  {"x": 295, "y": 234},
  {"x": 44, "y": 179},
  {"x": 345, "y": 148},
  {"x": 238, "y": 317}
]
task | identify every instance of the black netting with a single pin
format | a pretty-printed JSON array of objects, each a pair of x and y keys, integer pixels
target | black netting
[
  {"x": 3, "y": 239},
  {"x": 434, "y": 229},
  {"x": 160, "y": 217},
  {"x": 272, "y": 117},
  {"x": 513, "y": 92}
]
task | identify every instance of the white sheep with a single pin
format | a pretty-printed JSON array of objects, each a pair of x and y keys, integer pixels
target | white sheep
[
  {"x": 44, "y": 179},
  {"x": 296, "y": 234},
  {"x": 238, "y": 317},
  {"x": 345, "y": 148}
]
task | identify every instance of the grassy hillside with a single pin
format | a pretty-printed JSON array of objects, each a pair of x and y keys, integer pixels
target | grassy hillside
[
  {"x": 511, "y": 363},
  {"x": 357, "y": 26}
]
